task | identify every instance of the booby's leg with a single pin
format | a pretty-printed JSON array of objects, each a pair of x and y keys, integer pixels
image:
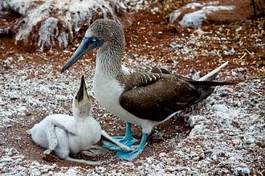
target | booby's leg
[
  {"x": 127, "y": 140},
  {"x": 133, "y": 154}
]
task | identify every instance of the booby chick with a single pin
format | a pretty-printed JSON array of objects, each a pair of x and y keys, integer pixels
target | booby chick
[
  {"x": 144, "y": 99},
  {"x": 66, "y": 134}
]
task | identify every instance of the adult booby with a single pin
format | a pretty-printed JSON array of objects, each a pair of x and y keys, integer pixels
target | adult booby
[
  {"x": 144, "y": 99},
  {"x": 66, "y": 134}
]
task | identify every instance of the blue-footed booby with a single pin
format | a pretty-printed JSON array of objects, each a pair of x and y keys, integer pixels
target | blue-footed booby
[
  {"x": 66, "y": 134},
  {"x": 144, "y": 99}
]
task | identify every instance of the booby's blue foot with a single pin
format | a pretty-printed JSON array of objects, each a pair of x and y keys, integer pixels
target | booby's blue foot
[
  {"x": 133, "y": 154},
  {"x": 127, "y": 140},
  {"x": 122, "y": 139}
]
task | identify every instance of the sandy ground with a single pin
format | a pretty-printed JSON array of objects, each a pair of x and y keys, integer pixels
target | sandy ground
[{"x": 224, "y": 135}]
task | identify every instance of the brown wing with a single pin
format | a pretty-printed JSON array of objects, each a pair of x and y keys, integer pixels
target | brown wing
[{"x": 156, "y": 99}]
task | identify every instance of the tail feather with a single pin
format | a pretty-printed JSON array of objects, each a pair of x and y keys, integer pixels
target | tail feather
[
  {"x": 206, "y": 88},
  {"x": 205, "y": 85},
  {"x": 212, "y": 75}
]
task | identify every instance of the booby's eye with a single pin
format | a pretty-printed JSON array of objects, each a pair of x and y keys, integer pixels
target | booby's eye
[
  {"x": 93, "y": 39},
  {"x": 96, "y": 42}
]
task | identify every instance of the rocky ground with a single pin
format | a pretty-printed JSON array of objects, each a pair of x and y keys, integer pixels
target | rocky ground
[{"x": 225, "y": 135}]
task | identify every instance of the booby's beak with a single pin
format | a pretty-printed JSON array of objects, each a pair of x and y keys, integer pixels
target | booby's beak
[
  {"x": 86, "y": 45},
  {"x": 82, "y": 92}
]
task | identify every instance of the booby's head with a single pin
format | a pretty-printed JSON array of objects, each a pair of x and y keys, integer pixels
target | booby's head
[
  {"x": 82, "y": 101},
  {"x": 102, "y": 34}
]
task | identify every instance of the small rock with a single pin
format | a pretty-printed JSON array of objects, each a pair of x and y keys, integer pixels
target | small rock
[
  {"x": 13, "y": 98},
  {"x": 163, "y": 154},
  {"x": 193, "y": 120},
  {"x": 155, "y": 10},
  {"x": 7, "y": 63},
  {"x": 242, "y": 171},
  {"x": 223, "y": 94},
  {"x": 220, "y": 107},
  {"x": 195, "y": 75},
  {"x": 249, "y": 139},
  {"x": 239, "y": 29},
  {"x": 176, "y": 46},
  {"x": 228, "y": 52},
  {"x": 20, "y": 58}
]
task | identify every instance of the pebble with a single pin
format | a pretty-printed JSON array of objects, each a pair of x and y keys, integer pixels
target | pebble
[
  {"x": 240, "y": 171},
  {"x": 20, "y": 58},
  {"x": 221, "y": 108},
  {"x": 249, "y": 139},
  {"x": 7, "y": 63}
]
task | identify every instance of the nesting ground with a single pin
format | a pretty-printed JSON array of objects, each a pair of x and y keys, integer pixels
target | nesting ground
[{"x": 224, "y": 135}]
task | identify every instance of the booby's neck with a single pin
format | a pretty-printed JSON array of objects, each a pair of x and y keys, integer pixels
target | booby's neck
[{"x": 109, "y": 59}]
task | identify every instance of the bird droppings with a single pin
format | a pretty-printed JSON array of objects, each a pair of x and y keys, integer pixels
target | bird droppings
[
  {"x": 45, "y": 24},
  {"x": 225, "y": 135}
]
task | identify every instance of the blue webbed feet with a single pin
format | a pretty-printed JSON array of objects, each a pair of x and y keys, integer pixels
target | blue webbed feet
[
  {"x": 127, "y": 140},
  {"x": 122, "y": 139},
  {"x": 133, "y": 154},
  {"x": 129, "y": 155}
]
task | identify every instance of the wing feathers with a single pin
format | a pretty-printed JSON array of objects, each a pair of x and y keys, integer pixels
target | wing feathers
[
  {"x": 155, "y": 96},
  {"x": 137, "y": 79}
]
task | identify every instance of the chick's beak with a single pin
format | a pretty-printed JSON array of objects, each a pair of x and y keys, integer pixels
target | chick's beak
[{"x": 82, "y": 92}]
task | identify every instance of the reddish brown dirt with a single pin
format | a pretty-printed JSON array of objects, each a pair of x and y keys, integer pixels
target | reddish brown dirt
[{"x": 159, "y": 33}]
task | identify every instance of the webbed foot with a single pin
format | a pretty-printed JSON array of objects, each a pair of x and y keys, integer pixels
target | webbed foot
[
  {"x": 127, "y": 140},
  {"x": 133, "y": 154},
  {"x": 121, "y": 139},
  {"x": 129, "y": 155}
]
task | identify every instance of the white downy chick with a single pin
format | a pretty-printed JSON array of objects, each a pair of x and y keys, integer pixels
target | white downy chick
[{"x": 66, "y": 134}]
